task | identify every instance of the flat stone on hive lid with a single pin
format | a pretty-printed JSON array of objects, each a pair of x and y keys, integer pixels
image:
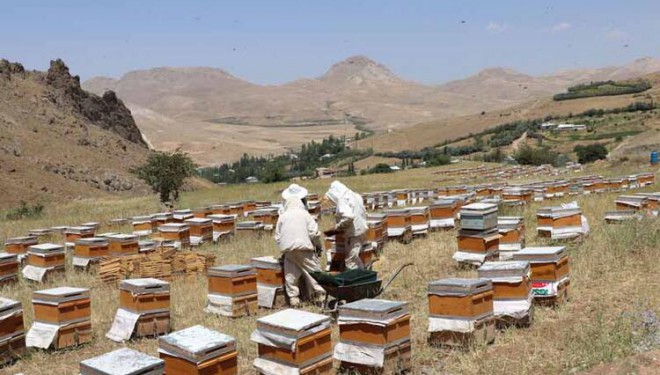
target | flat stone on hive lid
[
  {"x": 197, "y": 343},
  {"x": 123, "y": 361},
  {"x": 293, "y": 322}
]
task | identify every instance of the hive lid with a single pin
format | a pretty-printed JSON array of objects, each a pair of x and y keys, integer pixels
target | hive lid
[
  {"x": 46, "y": 248},
  {"x": 173, "y": 227},
  {"x": 197, "y": 343},
  {"x": 293, "y": 322},
  {"x": 8, "y": 257},
  {"x": 419, "y": 210},
  {"x": 491, "y": 270},
  {"x": 444, "y": 203},
  {"x": 267, "y": 262},
  {"x": 61, "y": 294},
  {"x": 397, "y": 212},
  {"x": 376, "y": 217},
  {"x": 558, "y": 212},
  {"x": 162, "y": 216},
  {"x": 488, "y": 235},
  {"x": 459, "y": 286},
  {"x": 123, "y": 361},
  {"x": 541, "y": 254},
  {"x": 478, "y": 209},
  {"x": 199, "y": 221},
  {"x": 232, "y": 270},
  {"x": 8, "y": 306},
  {"x": 145, "y": 286},
  {"x": 140, "y": 219},
  {"x": 98, "y": 241},
  {"x": 122, "y": 238},
  {"x": 250, "y": 224},
  {"x": 79, "y": 229},
  {"x": 221, "y": 217},
  {"x": 40, "y": 231},
  {"x": 25, "y": 240},
  {"x": 620, "y": 215},
  {"x": 378, "y": 309},
  {"x": 93, "y": 224},
  {"x": 107, "y": 234}
]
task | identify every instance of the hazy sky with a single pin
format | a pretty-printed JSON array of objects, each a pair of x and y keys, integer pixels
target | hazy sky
[{"x": 276, "y": 41}]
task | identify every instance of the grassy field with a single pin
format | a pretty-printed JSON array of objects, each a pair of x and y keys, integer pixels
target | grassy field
[{"x": 613, "y": 271}]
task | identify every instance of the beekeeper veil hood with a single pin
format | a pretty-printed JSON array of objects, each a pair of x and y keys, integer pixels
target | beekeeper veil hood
[
  {"x": 293, "y": 203},
  {"x": 336, "y": 191},
  {"x": 294, "y": 191}
]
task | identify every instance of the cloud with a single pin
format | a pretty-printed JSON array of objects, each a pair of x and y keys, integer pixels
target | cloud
[
  {"x": 616, "y": 34},
  {"x": 563, "y": 26},
  {"x": 496, "y": 27}
]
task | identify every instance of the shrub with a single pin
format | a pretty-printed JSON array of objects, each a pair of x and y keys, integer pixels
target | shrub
[
  {"x": 166, "y": 172},
  {"x": 25, "y": 210},
  {"x": 590, "y": 153},
  {"x": 528, "y": 155},
  {"x": 380, "y": 168}
]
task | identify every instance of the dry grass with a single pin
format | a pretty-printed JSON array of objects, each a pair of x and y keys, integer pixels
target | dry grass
[{"x": 613, "y": 271}]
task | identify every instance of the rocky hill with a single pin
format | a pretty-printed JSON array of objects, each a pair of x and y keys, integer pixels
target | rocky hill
[{"x": 59, "y": 142}]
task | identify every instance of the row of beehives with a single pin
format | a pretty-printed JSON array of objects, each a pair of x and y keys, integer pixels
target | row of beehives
[
  {"x": 499, "y": 171},
  {"x": 635, "y": 206}
]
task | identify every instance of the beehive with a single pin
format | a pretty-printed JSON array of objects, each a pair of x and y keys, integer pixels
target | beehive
[
  {"x": 471, "y": 241},
  {"x": 143, "y": 225},
  {"x": 248, "y": 207},
  {"x": 631, "y": 202},
  {"x": 516, "y": 195},
  {"x": 178, "y": 232},
  {"x": 43, "y": 261},
  {"x": 223, "y": 225},
  {"x": 20, "y": 245},
  {"x": 201, "y": 230},
  {"x": 123, "y": 361},
  {"x": 419, "y": 220},
  {"x": 123, "y": 244},
  {"x": 249, "y": 226},
  {"x": 73, "y": 234},
  {"x": 559, "y": 222},
  {"x": 266, "y": 216},
  {"x": 303, "y": 339},
  {"x": 198, "y": 350},
  {"x": 161, "y": 218},
  {"x": 220, "y": 209},
  {"x": 368, "y": 330},
  {"x": 550, "y": 272},
  {"x": 236, "y": 208},
  {"x": 401, "y": 197},
  {"x": 377, "y": 231},
  {"x": 460, "y": 311},
  {"x": 512, "y": 235},
  {"x": 619, "y": 216},
  {"x": 512, "y": 290},
  {"x": 314, "y": 208},
  {"x": 479, "y": 216},
  {"x": 89, "y": 250},
  {"x": 12, "y": 331},
  {"x": 8, "y": 268},
  {"x": 398, "y": 223},
  {"x": 232, "y": 290},
  {"x": 443, "y": 213},
  {"x": 269, "y": 271},
  {"x": 179, "y": 216},
  {"x": 202, "y": 212}
]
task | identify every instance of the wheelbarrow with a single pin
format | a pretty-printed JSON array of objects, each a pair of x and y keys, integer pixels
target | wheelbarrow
[{"x": 346, "y": 292}]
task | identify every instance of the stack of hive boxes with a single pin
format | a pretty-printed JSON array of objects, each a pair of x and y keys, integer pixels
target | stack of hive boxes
[
  {"x": 374, "y": 337},
  {"x": 232, "y": 290},
  {"x": 8, "y": 268},
  {"x": 512, "y": 235},
  {"x": 419, "y": 220},
  {"x": 178, "y": 232},
  {"x": 516, "y": 195},
  {"x": 512, "y": 291},
  {"x": 12, "y": 331},
  {"x": 443, "y": 213},
  {"x": 377, "y": 232},
  {"x": 550, "y": 273},
  {"x": 73, "y": 234},
  {"x": 478, "y": 238},
  {"x": 143, "y": 225},
  {"x": 44, "y": 260},
  {"x": 62, "y": 318},
  {"x": 198, "y": 351},
  {"x": 144, "y": 309},
  {"x": 293, "y": 342},
  {"x": 270, "y": 282},
  {"x": 201, "y": 230},
  {"x": 20, "y": 246},
  {"x": 267, "y": 216},
  {"x": 560, "y": 222},
  {"x": 123, "y": 361},
  {"x": 123, "y": 244},
  {"x": 223, "y": 225},
  {"x": 399, "y": 224},
  {"x": 90, "y": 251},
  {"x": 461, "y": 311}
]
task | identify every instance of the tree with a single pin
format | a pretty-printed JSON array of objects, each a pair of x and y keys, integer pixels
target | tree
[
  {"x": 527, "y": 155},
  {"x": 166, "y": 172},
  {"x": 590, "y": 153}
]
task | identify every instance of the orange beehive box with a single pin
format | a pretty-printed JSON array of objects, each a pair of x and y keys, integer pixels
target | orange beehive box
[
  {"x": 8, "y": 266},
  {"x": 152, "y": 324},
  {"x": 179, "y": 232},
  {"x": 61, "y": 305},
  {"x": 558, "y": 217},
  {"x": 232, "y": 280},
  {"x": 46, "y": 255},
  {"x": 472, "y": 241},
  {"x": 311, "y": 332},
  {"x": 374, "y": 322},
  {"x": 460, "y": 298},
  {"x": 267, "y": 216},
  {"x": 443, "y": 209},
  {"x": 201, "y": 227},
  {"x": 220, "y": 209},
  {"x": 143, "y": 225},
  {"x": 179, "y": 216},
  {"x": 20, "y": 245},
  {"x": 73, "y": 234},
  {"x": 144, "y": 295},
  {"x": 511, "y": 279},
  {"x": 249, "y": 206},
  {"x": 631, "y": 202},
  {"x": 202, "y": 212},
  {"x": 93, "y": 247},
  {"x": 74, "y": 334},
  {"x": 198, "y": 350},
  {"x": 236, "y": 209},
  {"x": 11, "y": 319},
  {"x": 124, "y": 361},
  {"x": 123, "y": 244},
  {"x": 223, "y": 223},
  {"x": 161, "y": 218},
  {"x": 269, "y": 271},
  {"x": 549, "y": 263}
]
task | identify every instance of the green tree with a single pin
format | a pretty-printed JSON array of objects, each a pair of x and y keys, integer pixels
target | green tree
[
  {"x": 590, "y": 153},
  {"x": 166, "y": 172}
]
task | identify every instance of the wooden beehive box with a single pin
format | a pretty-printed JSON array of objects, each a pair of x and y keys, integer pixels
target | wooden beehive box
[
  {"x": 249, "y": 226},
  {"x": 152, "y": 324},
  {"x": 620, "y": 216},
  {"x": 201, "y": 227},
  {"x": 269, "y": 271},
  {"x": 443, "y": 209},
  {"x": 479, "y": 216},
  {"x": 267, "y": 216},
  {"x": 223, "y": 223},
  {"x": 198, "y": 350},
  {"x": 549, "y": 263},
  {"x": 73, "y": 234},
  {"x": 123, "y": 244},
  {"x": 236, "y": 208},
  {"x": 144, "y": 295},
  {"x": 219, "y": 209},
  {"x": 11, "y": 320},
  {"x": 20, "y": 245},
  {"x": 93, "y": 247},
  {"x": 232, "y": 280},
  {"x": 614, "y": 184},
  {"x": 472, "y": 241},
  {"x": 123, "y": 361},
  {"x": 559, "y": 217},
  {"x": 311, "y": 332},
  {"x": 161, "y": 218},
  {"x": 179, "y": 232},
  {"x": 511, "y": 279},
  {"x": 202, "y": 212},
  {"x": 460, "y": 298},
  {"x": 40, "y": 232},
  {"x": 631, "y": 202},
  {"x": 248, "y": 206},
  {"x": 143, "y": 225},
  {"x": 8, "y": 268},
  {"x": 314, "y": 208},
  {"x": 46, "y": 255},
  {"x": 419, "y": 219},
  {"x": 374, "y": 322},
  {"x": 179, "y": 216},
  {"x": 62, "y": 305}
]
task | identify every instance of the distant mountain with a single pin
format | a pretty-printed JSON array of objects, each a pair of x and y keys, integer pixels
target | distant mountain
[{"x": 217, "y": 116}]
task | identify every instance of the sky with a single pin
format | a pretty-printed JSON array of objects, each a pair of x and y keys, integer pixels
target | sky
[{"x": 276, "y": 41}]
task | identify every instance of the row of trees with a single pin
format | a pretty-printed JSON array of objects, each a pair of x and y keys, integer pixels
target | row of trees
[{"x": 603, "y": 88}]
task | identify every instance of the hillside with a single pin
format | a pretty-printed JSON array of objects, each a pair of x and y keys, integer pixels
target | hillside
[
  {"x": 217, "y": 117},
  {"x": 59, "y": 142}
]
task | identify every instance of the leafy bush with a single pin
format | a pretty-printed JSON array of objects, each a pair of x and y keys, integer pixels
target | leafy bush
[
  {"x": 495, "y": 156},
  {"x": 528, "y": 155},
  {"x": 166, "y": 172},
  {"x": 590, "y": 153},
  {"x": 25, "y": 210},
  {"x": 380, "y": 168},
  {"x": 603, "y": 88}
]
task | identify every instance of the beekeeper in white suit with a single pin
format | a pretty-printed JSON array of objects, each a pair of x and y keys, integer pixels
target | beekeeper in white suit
[
  {"x": 351, "y": 221},
  {"x": 297, "y": 236}
]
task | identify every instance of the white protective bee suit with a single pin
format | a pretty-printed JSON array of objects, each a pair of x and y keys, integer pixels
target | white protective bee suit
[
  {"x": 297, "y": 236},
  {"x": 351, "y": 221}
]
